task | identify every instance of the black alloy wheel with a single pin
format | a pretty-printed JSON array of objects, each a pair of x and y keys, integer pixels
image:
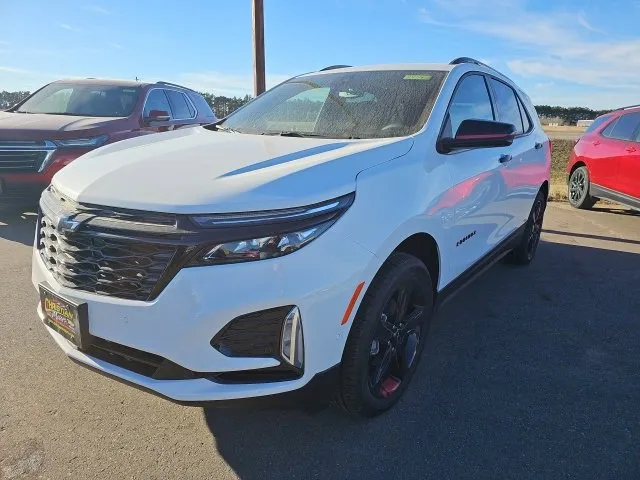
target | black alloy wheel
[
  {"x": 526, "y": 249},
  {"x": 387, "y": 337}
]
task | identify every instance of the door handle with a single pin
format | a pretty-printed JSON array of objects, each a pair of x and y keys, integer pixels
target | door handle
[
  {"x": 505, "y": 158},
  {"x": 630, "y": 149},
  {"x": 596, "y": 143},
  {"x": 538, "y": 145}
]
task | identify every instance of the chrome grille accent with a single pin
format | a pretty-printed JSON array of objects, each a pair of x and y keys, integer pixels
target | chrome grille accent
[
  {"x": 95, "y": 260},
  {"x": 18, "y": 157}
]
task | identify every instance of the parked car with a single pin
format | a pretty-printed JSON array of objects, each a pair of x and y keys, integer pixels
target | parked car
[
  {"x": 68, "y": 118},
  {"x": 605, "y": 161},
  {"x": 298, "y": 248}
]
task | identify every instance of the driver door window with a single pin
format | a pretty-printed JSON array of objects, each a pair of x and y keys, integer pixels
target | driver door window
[
  {"x": 470, "y": 101},
  {"x": 157, "y": 100}
]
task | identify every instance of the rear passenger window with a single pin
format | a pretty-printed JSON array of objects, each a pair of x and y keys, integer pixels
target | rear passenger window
[
  {"x": 507, "y": 105},
  {"x": 179, "y": 105},
  {"x": 624, "y": 128},
  {"x": 470, "y": 102}
]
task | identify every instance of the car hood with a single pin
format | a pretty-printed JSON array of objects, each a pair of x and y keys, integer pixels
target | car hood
[
  {"x": 37, "y": 127},
  {"x": 196, "y": 170}
]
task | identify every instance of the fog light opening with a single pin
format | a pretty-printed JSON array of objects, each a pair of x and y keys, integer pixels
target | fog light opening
[{"x": 292, "y": 343}]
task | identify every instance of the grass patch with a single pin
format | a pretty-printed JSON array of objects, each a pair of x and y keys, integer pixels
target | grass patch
[{"x": 559, "y": 160}]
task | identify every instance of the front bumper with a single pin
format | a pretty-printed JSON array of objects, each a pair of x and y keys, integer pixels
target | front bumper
[
  {"x": 26, "y": 187},
  {"x": 179, "y": 324}
]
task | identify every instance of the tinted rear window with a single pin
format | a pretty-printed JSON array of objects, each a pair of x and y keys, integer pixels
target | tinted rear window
[
  {"x": 597, "y": 122},
  {"x": 624, "y": 128},
  {"x": 203, "y": 107}
]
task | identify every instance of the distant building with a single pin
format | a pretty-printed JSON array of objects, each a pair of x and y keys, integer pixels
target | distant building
[
  {"x": 551, "y": 121},
  {"x": 584, "y": 123}
]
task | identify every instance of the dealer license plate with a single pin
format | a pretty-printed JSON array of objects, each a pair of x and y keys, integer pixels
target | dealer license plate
[{"x": 66, "y": 317}]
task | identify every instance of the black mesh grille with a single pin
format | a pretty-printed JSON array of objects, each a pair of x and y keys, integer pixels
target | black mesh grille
[
  {"x": 254, "y": 335},
  {"x": 21, "y": 161},
  {"x": 102, "y": 264}
]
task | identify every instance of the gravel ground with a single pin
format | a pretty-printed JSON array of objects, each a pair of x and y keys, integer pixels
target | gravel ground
[{"x": 528, "y": 373}]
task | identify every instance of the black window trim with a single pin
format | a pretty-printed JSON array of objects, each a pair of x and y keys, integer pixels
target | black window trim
[
  {"x": 146, "y": 98},
  {"x": 634, "y": 135},
  {"x": 446, "y": 113}
]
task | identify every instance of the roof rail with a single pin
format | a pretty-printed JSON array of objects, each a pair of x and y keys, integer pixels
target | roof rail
[
  {"x": 333, "y": 67},
  {"x": 629, "y": 106},
  {"x": 459, "y": 60},
  {"x": 173, "y": 85}
]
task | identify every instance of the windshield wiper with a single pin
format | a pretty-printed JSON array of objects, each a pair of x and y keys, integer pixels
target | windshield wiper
[
  {"x": 294, "y": 134},
  {"x": 222, "y": 128}
]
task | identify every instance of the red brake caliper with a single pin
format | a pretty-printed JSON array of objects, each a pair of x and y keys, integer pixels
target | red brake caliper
[{"x": 389, "y": 386}]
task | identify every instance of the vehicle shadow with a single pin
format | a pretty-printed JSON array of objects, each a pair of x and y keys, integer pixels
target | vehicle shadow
[
  {"x": 17, "y": 224},
  {"x": 528, "y": 373},
  {"x": 617, "y": 211}
]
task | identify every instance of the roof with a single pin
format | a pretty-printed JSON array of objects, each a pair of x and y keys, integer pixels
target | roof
[
  {"x": 103, "y": 81},
  {"x": 390, "y": 66}
]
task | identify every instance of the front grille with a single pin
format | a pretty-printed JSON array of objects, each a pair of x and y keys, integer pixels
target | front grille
[
  {"x": 102, "y": 264},
  {"x": 21, "y": 157},
  {"x": 109, "y": 252}
]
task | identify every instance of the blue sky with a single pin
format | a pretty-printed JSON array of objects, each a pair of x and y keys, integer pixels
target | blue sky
[{"x": 562, "y": 53}]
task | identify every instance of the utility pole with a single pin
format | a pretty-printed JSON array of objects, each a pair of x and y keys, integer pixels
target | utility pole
[{"x": 258, "y": 48}]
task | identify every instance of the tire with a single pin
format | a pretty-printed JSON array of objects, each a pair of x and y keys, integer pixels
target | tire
[
  {"x": 524, "y": 253},
  {"x": 367, "y": 389},
  {"x": 578, "y": 189}
]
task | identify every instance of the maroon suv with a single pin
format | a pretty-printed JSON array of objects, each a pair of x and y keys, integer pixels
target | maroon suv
[{"x": 65, "y": 119}]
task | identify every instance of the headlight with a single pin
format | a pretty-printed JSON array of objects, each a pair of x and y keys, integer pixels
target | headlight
[
  {"x": 275, "y": 233},
  {"x": 83, "y": 142}
]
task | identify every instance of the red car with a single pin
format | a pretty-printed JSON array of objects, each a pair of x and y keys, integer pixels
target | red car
[
  {"x": 605, "y": 162},
  {"x": 65, "y": 119}
]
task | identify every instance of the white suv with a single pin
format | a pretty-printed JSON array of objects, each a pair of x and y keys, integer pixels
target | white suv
[{"x": 298, "y": 248}]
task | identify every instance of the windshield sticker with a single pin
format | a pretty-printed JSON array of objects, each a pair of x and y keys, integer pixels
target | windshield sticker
[{"x": 417, "y": 76}]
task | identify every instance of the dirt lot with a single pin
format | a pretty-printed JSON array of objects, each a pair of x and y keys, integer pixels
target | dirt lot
[
  {"x": 529, "y": 373},
  {"x": 567, "y": 132}
]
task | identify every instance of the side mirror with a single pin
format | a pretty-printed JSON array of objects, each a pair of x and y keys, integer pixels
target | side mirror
[
  {"x": 479, "y": 134},
  {"x": 157, "y": 116}
]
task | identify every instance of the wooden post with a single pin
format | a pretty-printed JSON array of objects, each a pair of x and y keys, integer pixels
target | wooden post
[{"x": 258, "y": 48}]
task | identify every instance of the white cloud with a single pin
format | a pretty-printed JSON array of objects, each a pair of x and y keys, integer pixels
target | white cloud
[
  {"x": 117, "y": 46},
  {"x": 225, "y": 84},
  {"x": 96, "y": 9},
  {"x": 12, "y": 70},
  {"x": 550, "y": 46},
  {"x": 582, "y": 20},
  {"x": 66, "y": 26}
]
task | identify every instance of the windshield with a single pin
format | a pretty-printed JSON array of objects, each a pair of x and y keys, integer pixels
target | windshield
[
  {"x": 373, "y": 104},
  {"x": 82, "y": 100}
]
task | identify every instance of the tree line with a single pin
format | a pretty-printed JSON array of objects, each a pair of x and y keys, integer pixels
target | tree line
[{"x": 223, "y": 106}]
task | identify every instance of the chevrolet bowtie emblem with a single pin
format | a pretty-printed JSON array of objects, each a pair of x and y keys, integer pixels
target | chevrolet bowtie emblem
[{"x": 67, "y": 224}]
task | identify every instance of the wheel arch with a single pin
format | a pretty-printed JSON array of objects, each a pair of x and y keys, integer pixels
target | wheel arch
[
  {"x": 425, "y": 248},
  {"x": 577, "y": 164}
]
